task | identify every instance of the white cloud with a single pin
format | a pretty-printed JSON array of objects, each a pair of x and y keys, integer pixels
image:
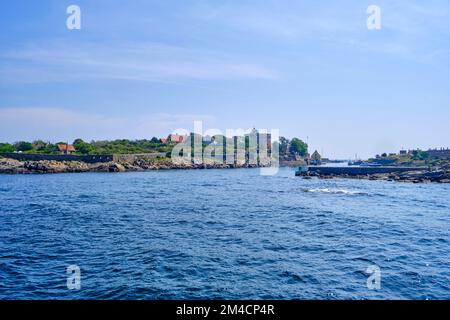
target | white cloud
[
  {"x": 56, "y": 124},
  {"x": 54, "y": 62},
  {"x": 407, "y": 26},
  {"x": 282, "y": 22}
]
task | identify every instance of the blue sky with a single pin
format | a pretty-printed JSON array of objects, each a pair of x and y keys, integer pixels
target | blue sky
[{"x": 138, "y": 69}]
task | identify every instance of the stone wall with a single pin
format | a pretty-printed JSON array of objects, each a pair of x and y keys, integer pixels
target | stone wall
[
  {"x": 292, "y": 163},
  {"x": 439, "y": 153},
  {"x": 130, "y": 158},
  {"x": 95, "y": 158}
]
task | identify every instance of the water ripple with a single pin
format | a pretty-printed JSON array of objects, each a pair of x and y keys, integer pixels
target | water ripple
[{"x": 224, "y": 234}]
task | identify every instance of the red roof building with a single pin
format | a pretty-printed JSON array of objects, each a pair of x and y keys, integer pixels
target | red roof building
[
  {"x": 174, "y": 138},
  {"x": 65, "y": 148}
]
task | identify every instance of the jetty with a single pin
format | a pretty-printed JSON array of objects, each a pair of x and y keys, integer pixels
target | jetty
[
  {"x": 355, "y": 170},
  {"x": 414, "y": 174}
]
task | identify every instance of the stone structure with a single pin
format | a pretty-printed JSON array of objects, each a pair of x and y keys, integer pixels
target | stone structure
[
  {"x": 316, "y": 156},
  {"x": 354, "y": 171},
  {"x": 439, "y": 153},
  {"x": 94, "y": 158},
  {"x": 130, "y": 158}
]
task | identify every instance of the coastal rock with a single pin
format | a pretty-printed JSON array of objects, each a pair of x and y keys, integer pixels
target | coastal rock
[
  {"x": 11, "y": 166},
  {"x": 438, "y": 174},
  {"x": 116, "y": 167},
  {"x": 46, "y": 166},
  {"x": 108, "y": 167},
  {"x": 441, "y": 175}
]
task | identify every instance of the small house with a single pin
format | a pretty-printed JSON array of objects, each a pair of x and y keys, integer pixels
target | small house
[
  {"x": 316, "y": 158},
  {"x": 65, "y": 148},
  {"x": 174, "y": 138}
]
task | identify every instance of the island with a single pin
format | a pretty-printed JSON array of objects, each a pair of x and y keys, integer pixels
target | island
[
  {"x": 155, "y": 154},
  {"x": 415, "y": 166}
]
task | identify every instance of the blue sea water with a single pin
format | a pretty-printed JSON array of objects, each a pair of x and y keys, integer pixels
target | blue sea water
[{"x": 232, "y": 234}]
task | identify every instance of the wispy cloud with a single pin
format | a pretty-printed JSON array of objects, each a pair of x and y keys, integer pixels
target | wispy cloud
[
  {"x": 283, "y": 22},
  {"x": 61, "y": 124},
  {"x": 55, "y": 61},
  {"x": 406, "y": 25}
]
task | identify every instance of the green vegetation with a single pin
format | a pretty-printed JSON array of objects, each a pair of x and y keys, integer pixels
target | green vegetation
[
  {"x": 23, "y": 146},
  {"x": 284, "y": 145},
  {"x": 6, "y": 147},
  {"x": 299, "y": 147},
  {"x": 42, "y": 147},
  {"x": 415, "y": 157},
  {"x": 294, "y": 146},
  {"x": 124, "y": 146},
  {"x": 82, "y": 147},
  {"x": 420, "y": 155}
]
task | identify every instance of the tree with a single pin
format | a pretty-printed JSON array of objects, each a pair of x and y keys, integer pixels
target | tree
[
  {"x": 298, "y": 146},
  {"x": 23, "y": 146},
  {"x": 284, "y": 145},
  {"x": 155, "y": 140},
  {"x": 6, "y": 147},
  {"x": 39, "y": 145},
  {"x": 420, "y": 155},
  {"x": 50, "y": 148},
  {"x": 78, "y": 141},
  {"x": 82, "y": 146}
]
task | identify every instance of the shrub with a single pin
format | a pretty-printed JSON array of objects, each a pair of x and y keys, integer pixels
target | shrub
[{"x": 6, "y": 147}]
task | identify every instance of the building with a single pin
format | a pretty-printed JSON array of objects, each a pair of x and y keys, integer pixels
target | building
[
  {"x": 260, "y": 137},
  {"x": 65, "y": 148},
  {"x": 439, "y": 153},
  {"x": 174, "y": 138},
  {"x": 316, "y": 158}
]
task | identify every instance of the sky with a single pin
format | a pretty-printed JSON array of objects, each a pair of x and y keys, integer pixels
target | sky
[{"x": 311, "y": 69}]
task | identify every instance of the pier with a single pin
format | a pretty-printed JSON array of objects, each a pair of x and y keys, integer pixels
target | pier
[{"x": 355, "y": 170}]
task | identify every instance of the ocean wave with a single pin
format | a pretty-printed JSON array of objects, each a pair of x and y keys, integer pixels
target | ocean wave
[
  {"x": 335, "y": 191},
  {"x": 131, "y": 242}
]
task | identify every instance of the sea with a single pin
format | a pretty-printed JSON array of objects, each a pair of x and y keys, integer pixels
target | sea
[{"x": 221, "y": 234}]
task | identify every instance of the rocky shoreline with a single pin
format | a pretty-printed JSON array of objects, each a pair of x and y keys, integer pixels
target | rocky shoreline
[
  {"x": 438, "y": 175},
  {"x": 11, "y": 166}
]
